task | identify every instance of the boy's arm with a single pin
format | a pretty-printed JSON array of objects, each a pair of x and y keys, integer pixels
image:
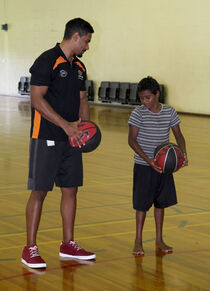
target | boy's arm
[
  {"x": 132, "y": 141},
  {"x": 180, "y": 141}
]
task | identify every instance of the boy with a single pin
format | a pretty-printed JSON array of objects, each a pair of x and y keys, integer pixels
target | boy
[{"x": 149, "y": 126}]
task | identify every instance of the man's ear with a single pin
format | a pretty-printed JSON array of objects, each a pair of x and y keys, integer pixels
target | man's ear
[{"x": 75, "y": 36}]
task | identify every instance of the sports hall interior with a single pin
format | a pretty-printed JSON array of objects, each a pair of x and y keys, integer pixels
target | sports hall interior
[{"x": 168, "y": 40}]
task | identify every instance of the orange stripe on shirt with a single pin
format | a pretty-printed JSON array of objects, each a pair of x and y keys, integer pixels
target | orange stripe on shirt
[
  {"x": 81, "y": 66},
  {"x": 59, "y": 61},
  {"x": 37, "y": 122}
]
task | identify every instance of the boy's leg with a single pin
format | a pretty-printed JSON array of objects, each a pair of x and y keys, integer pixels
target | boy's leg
[
  {"x": 68, "y": 212},
  {"x": 33, "y": 215},
  {"x": 159, "y": 217},
  {"x": 140, "y": 218}
]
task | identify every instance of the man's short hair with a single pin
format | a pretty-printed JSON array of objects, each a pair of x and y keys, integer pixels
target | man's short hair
[
  {"x": 150, "y": 84},
  {"x": 77, "y": 25}
]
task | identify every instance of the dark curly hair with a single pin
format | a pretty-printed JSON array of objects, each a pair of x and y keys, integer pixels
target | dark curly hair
[{"x": 150, "y": 84}]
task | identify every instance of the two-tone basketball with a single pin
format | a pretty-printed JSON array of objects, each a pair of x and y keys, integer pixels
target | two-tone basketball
[
  {"x": 91, "y": 136},
  {"x": 168, "y": 157}
]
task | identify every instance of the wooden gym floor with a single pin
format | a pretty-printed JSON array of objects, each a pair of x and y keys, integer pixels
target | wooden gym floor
[{"x": 105, "y": 221}]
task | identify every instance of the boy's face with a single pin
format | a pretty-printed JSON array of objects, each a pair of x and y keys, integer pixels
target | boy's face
[{"x": 150, "y": 100}]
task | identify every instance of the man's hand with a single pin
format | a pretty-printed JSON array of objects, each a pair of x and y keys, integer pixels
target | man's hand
[{"x": 75, "y": 135}]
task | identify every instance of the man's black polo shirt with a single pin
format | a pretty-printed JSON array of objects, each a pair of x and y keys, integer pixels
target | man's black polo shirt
[{"x": 64, "y": 81}]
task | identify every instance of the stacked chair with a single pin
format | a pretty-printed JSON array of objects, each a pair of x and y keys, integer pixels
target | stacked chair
[
  {"x": 108, "y": 92},
  {"x": 24, "y": 86},
  {"x": 122, "y": 92}
]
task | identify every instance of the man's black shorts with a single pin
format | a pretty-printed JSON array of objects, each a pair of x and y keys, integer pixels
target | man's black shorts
[
  {"x": 150, "y": 187},
  {"x": 54, "y": 162}
]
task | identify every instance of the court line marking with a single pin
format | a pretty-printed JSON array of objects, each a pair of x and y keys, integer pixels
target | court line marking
[
  {"x": 12, "y": 259},
  {"x": 107, "y": 223},
  {"x": 106, "y": 235},
  {"x": 98, "y": 262},
  {"x": 175, "y": 208},
  {"x": 79, "y": 208},
  {"x": 200, "y": 233},
  {"x": 183, "y": 223}
]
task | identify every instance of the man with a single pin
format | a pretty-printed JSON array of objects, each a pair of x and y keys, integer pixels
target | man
[{"x": 58, "y": 100}]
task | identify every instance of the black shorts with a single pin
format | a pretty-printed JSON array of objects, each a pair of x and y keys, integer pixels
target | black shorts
[
  {"x": 150, "y": 187},
  {"x": 54, "y": 162}
]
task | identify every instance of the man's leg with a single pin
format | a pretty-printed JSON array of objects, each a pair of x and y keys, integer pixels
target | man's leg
[
  {"x": 68, "y": 212},
  {"x": 159, "y": 217},
  {"x": 33, "y": 215},
  {"x": 138, "y": 247},
  {"x": 69, "y": 248},
  {"x": 30, "y": 254}
]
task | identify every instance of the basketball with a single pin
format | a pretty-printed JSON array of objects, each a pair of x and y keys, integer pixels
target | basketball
[
  {"x": 91, "y": 136},
  {"x": 168, "y": 157}
]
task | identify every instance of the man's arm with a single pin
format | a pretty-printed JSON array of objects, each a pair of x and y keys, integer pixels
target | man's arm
[
  {"x": 43, "y": 107},
  {"x": 132, "y": 141},
  {"x": 84, "y": 107},
  {"x": 180, "y": 141}
]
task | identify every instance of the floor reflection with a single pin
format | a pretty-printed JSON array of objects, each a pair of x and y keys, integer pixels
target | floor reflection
[
  {"x": 31, "y": 277},
  {"x": 109, "y": 117},
  {"x": 69, "y": 267},
  {"x": 24, "y": 107},
  {"x": 149, "y": 278}
]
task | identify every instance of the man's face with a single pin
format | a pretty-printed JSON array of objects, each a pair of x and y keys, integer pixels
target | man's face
[{"x": 82, "y": 44}]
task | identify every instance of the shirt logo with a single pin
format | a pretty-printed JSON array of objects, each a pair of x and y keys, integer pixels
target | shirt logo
[
  {"x": 80, "y": 76},
  {"x": 63, "y": 73}
]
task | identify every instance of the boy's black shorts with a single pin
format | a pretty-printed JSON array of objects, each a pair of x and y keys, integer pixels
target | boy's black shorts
[
  {"x": 54, "y": 162},
  {"x": 150, "y": 187}
]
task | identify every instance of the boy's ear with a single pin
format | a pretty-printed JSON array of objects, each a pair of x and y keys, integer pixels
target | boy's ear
[{"x": 158, "y": 94}]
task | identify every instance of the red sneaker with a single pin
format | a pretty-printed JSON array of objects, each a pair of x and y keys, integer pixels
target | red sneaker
[
  {"x": 31, "y": 257},
  {"x": 72, "y": 250}
]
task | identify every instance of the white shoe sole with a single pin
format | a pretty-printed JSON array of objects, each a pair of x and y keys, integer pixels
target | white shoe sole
[
  {"x": 90, "y": 257},
  {"x": 34, "y": 266}
]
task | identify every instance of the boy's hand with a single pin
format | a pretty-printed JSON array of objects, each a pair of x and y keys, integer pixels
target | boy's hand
[
  {"x": 156, "y": 168},
  {"x": 185, "y": 162}
]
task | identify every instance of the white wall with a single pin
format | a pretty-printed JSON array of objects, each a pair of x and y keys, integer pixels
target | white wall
[{"x": 166, "y": 39}]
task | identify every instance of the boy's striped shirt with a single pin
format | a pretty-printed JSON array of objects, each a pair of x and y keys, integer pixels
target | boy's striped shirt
[{"x": 154, "y": 128}]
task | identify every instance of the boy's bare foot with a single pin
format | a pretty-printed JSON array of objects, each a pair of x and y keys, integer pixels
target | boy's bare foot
[
  {"x": 138, "y": 249},
  {"x": 161, "y": 246}
]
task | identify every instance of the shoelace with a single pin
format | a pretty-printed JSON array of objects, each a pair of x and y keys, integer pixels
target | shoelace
[
  {"x": 75, "y": 245},
  {"x": 33, "y": 252}
]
